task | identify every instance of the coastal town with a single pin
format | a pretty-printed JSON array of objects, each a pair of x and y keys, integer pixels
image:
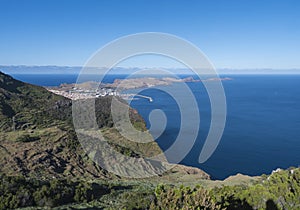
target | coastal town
[
  {"x": 76, "y": 94},
  {"x": 94, "y": 90},
  {"x": 79, "y": 93}
]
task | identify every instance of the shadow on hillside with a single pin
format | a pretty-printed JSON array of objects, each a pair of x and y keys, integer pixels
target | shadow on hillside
[
  {"x": 270, "y": 205},
  {"x": 120, "y": 187},
  {"x": 238, "y": 204},
  {"x": 8, "y": 83}
]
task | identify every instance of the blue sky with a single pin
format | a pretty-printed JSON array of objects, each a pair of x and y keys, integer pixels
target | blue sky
[{"x": 232, "y": 33}]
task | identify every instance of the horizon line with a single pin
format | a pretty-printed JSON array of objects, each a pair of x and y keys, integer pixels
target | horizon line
[{"x": 137, "y": 67}]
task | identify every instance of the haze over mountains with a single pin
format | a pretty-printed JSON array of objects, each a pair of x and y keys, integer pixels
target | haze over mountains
[{"x": 50, "y": 69}]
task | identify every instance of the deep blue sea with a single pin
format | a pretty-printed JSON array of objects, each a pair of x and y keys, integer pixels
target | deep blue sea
[{"x": 262, "y": 130}]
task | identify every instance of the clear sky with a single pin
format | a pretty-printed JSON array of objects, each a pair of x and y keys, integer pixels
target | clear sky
[{"x": 232, "y": 33}]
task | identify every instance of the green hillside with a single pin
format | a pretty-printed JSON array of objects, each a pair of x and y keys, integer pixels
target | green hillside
[
  {"x": 37, "y": 138},
  {"x": 24, "y": 105}
]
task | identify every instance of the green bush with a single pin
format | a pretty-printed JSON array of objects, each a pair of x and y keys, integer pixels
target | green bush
[
  {"x": 182, "y": 198},
  {"x": 19, "y": 192}
]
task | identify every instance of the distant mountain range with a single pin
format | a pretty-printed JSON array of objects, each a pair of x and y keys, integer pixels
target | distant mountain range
[{"x": 23, "y": 69}]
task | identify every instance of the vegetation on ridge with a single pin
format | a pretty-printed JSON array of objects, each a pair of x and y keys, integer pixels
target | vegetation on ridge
[{"x": 280, "y": 190}]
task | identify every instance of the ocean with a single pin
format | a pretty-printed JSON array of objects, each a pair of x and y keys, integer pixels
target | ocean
[{"x": 262, "y": 129}]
